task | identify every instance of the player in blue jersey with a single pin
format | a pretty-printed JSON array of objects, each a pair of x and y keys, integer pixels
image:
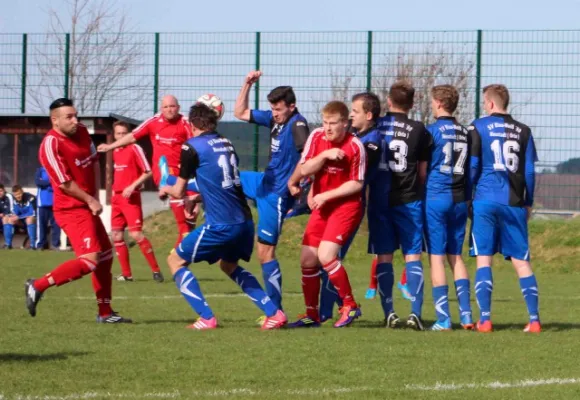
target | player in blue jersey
[
  {"x": 446, "y": 196},
  {"x": 396, "y": 215},
  {"x": 23, "y": 211},
  {"x": 503, "y": 155},
  {"x": 365, "y": 110},
  {"x": 288, "y": 133},
  {"x": 228, "y": 232}
]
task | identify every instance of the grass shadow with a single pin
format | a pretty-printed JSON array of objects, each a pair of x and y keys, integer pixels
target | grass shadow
[{"x": 18, "y": 357}]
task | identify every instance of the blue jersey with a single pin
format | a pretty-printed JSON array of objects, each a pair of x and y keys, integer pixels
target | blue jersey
[
  {"x": 502, "y": 160},
  {"x": 212, "y": 160},
  {"x": 7, "y": 204},
  {"x": 26, "y": 207},
  {"x": 449, "y": 165},
  {"x": 286, "y": 143},
  {"x": 45, "y": 192},
  {"x": 371, "y": 140}
]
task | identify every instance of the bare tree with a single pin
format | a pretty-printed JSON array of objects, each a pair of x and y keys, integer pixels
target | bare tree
[{"x": 104, "y": 59}]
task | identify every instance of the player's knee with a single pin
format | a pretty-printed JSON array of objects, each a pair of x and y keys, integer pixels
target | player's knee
[
  {"x": 327, "y": 252},
  {"x": 308, "y": 260},
  {"x": 30, "y": 220},
  {"x": 174, "y": 262},
  {"x": 117, "y": 236},
  {"x": 136, "y": 235},
  {"x": 93, "y": 257},
  {"x": 266, "y": 252},
  {"x": 523, "y": 268},
  {"x": 228, "y": 267},
  {"x": 385, "y": 258},
  {"x": 412, "y": 257}
]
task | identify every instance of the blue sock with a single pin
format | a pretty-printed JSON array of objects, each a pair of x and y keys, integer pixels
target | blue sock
[
  {"x": 529, "y": 287},
  {"x": 463, "y": 296},
  {"x": 441, "y": 300},
  {"x": 189, "y": 288},
  {"x": 252, "y": 288},
  {"x": 8, "y": 233},
  {"x": 385, "y": 281},
  {"x": 31, "y": 228},
  {"x": 273, "y": 281},
  {"x": 483, "y": 290},
  {"x": 328, "y": 297},
  {"x": 415, "y": 284}
]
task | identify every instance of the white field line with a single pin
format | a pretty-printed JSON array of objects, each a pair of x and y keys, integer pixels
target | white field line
[{"x": 494, "y": 385}]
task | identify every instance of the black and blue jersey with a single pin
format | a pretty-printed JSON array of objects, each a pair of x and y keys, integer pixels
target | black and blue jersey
[
  {"x": 449, "y": 164},
  {"x": 26, "y": 207},
  {"x": 212, "y": 160},
  {"x": 503, "y": 155}
]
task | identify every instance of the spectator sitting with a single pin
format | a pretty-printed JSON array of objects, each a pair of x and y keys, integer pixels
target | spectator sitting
[
  {"x": 44, "y": 198},
  {"x": 23, "y": 208},
  {"x": 5, "y": 204}
]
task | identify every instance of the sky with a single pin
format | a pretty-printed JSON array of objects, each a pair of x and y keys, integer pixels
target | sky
[{"x": 30, "y": 16}]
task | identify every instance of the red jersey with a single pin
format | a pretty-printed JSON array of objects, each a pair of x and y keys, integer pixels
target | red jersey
[
  {"x": 129, "y": 163},
  {"x": 334, "y": 173},
  {"x": 69, "y": 158},
  {"x": 166, "y": 140}
]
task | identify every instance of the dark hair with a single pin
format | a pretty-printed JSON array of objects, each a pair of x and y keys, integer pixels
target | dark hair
[
  {"x": 122, "y": 124},
  {"x": 402, "y": 94},
  {"x": 447, "y": 95},
  {"x": 62, "y": 102},
  {"x": 370, "y": 103},
  {"x": 282, "y": 93},
  {"x": 203, "y": 117},
  {"x": 2, "y": 187},
  {"x": 16, "y": 188},
  {"x": 500, "y": 94}
]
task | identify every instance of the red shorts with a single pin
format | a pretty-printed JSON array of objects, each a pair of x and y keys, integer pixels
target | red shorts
[
  {"x": 335, "y": 225},
  {"x": 85, "y": 231},
  {"x": 126, "y": 212}
]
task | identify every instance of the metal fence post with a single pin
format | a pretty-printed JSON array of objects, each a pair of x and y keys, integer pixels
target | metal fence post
[
  {"x": 257, "y": 103},
  {"x": 23, "y": 74},
  {"x": 369, "y": 60},
  {"x": 478, "y": 75},
  {"x": 156, "y": 75},
  {"x": 66, "y": 64}
]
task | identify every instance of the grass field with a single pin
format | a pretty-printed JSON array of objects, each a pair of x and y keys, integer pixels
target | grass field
[{"x": 63, "y": 354}]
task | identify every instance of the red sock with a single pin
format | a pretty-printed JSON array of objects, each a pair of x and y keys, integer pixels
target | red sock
[
  {"x": 339, "y": 278},
  {"x": 404, "y": 277},
  {"x": 66, "y": 272},
  {"x": 103, "y": 282},
  {"x": 147, "y": 251},
  {"x": 311, "y": 290},
  {"x": 179, "y": 213},
  {"x": 373, "y": 283},
  {"x": 123, "y": 256}
]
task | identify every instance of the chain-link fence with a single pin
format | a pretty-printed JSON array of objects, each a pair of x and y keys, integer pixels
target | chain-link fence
[{"x": 128, "y": 74}]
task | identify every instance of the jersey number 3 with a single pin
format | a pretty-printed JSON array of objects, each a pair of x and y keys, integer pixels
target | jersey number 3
[
  {"x": 400, "y": 150},
  {"x": 229, "y": 169}
]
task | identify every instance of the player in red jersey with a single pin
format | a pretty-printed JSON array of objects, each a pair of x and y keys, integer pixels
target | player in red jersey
[
  {"x": 131, "y": 171},
  {"x": 167, "y": 131},
  {"x": 69, "y": 156},
  {"x": 337, "y": 159}
]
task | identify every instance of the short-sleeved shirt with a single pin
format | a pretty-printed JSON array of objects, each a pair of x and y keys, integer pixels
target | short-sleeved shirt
[
  {"x": 505, "y": 151},
  {"x": 405, "y": 145},
  {"x": 129, "y": 163},
  {"x": 166, "y": 139},
  {"x": 69, "y": 158},
  {"x": 26, "y": 207},
  {"x": 286, "y": 143},
  {"x": 334, "y": 173},
  {"x": 212, "y": 160},
  {"x": 449, "y": 165}
]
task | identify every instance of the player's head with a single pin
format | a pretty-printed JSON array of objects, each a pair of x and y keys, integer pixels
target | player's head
[
  {"x": 401, "y": 97},
  {"x": 496, "y": 99},
  {"x": 169, "y": 107},
  {"x": 17, "y": 192},
  {"x": 2, "y": 190},
  {"x": 444, "y": 100},
  {"x": 365, "y": 110},
  {"x": 120, "y": 129},
  {"x": 202, "y": 119},
  {"x": 282, "y": 103},
  {"x": 63, "y": 116},
  {"x": 335, "y": 120}
]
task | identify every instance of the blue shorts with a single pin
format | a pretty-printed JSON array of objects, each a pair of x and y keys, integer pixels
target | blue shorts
[
  {"x": 391, "y": 227},
  {"x": 218, "y": 242},
  {"x": 272, "y": 208},
  {"x": 445, "y": 223},
  {"x": 499, "y": 228}
]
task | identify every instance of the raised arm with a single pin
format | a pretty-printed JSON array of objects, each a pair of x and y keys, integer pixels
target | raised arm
[{"x": 242, "y": 108}]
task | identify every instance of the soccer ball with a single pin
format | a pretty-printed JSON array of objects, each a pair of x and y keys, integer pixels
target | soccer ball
[{"x": 213, "y": 102}]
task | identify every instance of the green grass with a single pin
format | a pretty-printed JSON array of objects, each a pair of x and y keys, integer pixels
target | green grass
[{"x": 62, "y": 353}]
